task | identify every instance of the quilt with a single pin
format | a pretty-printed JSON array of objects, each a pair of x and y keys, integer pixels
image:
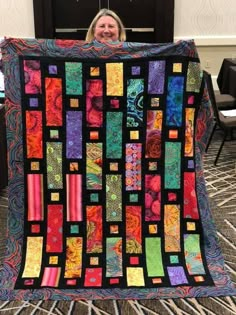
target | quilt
[{"x": 107, "y": 198}]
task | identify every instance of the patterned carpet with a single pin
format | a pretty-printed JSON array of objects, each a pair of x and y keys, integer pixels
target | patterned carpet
[{"x": 221, "y": 185}]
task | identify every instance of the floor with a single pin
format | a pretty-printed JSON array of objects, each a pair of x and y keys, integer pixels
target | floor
[{"x": 221, "y": 186}]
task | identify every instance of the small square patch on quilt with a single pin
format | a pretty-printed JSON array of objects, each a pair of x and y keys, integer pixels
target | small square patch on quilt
[
  {"x": 53, "y": 260},
  {"x": 55, "y": 196},
  {"x": 156, "y": 280},
  {"x": 190, "y": 164},
  {"x": 191, "y": 226},
  {"x": 74, "y": 229},
  {"x": 174, "y": 259},
  {"x": 115, "y": 103},
  {"x": 35, "y": 166},
  {"x": 54, "y": 134},
  {"x": 191, "y": 99},
  {"x": 152, "y": 166},
  {"x": 71, "y": 282},
  {"x": 94, "y": 71},
  {"x": 134, "y": 260},
  {"x": 134, "y": 135},
  {"x": 35, "y": 228},
  {"x": 133, "y": 197},
  {"x": 172, "y": 196},
  {"x": 114, "y": 229},
  {"x": 94, "y": 197},
  {"x": 94, "y": 261},
  {"x": 177, "y": 67},
  {"x": 199, "y": 279},
  {"x": 94, "y": 135},
  {"x": 153, "y": 229},
  {"x": 33, "y": 102},
  {"x": 29, "y": 282},
  {"x": 114, "y": 166},
  {"x": 155, "y": 102},
  {"x": 173, "y": 134},
  {"x": 74, "y": 102},
  {"x": 135, "y": 70},
  {"x": 114, "y": 281},
  {"x": 52, "y": 69},
  {"x": 74, "y": 166}
]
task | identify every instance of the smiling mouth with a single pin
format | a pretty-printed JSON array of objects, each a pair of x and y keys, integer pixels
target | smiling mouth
[{"x": 106, "y": 38}]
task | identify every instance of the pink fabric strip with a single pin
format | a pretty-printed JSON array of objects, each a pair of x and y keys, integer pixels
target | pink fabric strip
[
  {"x": 51, "y": 276},
  {"x": 74, "y": 197},
  {"x": 35, "y": 203}
]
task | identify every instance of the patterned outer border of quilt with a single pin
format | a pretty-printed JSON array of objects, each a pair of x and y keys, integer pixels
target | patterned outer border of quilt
[{"x": 11, "y": 50}]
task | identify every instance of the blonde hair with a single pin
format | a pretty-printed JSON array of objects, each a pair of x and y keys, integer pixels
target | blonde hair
[{"x": 106, "y": 12}]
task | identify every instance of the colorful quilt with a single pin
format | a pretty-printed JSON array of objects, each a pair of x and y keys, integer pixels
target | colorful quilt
[{"x": 107, "y": 198}]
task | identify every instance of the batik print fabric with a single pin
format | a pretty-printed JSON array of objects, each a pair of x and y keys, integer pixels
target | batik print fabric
[{"x": 111, "y": 176}]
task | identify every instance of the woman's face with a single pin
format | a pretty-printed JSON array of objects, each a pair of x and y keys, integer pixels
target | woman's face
[{"x": 106, "y": 29}]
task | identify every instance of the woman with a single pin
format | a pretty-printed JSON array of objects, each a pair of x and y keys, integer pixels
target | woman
[{"x": 106, "y": 26}]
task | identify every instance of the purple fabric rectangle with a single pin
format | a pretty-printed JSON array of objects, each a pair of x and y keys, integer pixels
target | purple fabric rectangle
[
  {"x": 156, "y": 77},
  {"x": 74, "y": 135}
]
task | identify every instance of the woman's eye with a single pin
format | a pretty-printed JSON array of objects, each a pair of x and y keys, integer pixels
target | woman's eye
[{"x": 109, "y": 26}]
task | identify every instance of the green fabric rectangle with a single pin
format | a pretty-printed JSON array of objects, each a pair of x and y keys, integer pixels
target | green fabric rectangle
[
  {"x": 73, "y": 78},
  {"x": 193, "y": 255},
  {"x": 114, "y": 257},
  {"x": 54, "y": 165},
  {"x": 114, "y": 135},
  {"x": 154, "y": 257},
  {"x": 113, "y": 198},
  {"x": 172, "y": 165}
]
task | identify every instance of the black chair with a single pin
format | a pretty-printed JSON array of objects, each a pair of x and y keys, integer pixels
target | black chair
[
  {"x": 223, "y": 122},
  {"x": 225, "y": 101}
]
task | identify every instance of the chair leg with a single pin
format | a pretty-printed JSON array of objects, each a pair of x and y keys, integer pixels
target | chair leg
[
  {"x": 210, "y": 138},
  {"x": 221, "y": 146}
]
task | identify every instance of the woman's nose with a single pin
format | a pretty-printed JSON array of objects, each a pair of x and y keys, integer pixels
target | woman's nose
[{"x": 106, "y": 29}]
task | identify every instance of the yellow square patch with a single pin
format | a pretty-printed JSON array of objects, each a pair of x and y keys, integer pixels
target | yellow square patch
[
  {"x": 152, "y": 229},
  {"x": 191, "y": 226},
  {"x": 53, "y": 260},
  {"x": 55, "y": 196},
  {"x": 177, "y": 67},
  {"x": 34, "y": 166},
  {"x": 134, "y": 135}
]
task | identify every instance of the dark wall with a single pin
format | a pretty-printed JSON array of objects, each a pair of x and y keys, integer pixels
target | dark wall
[{"x": 145, "y": 21}]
